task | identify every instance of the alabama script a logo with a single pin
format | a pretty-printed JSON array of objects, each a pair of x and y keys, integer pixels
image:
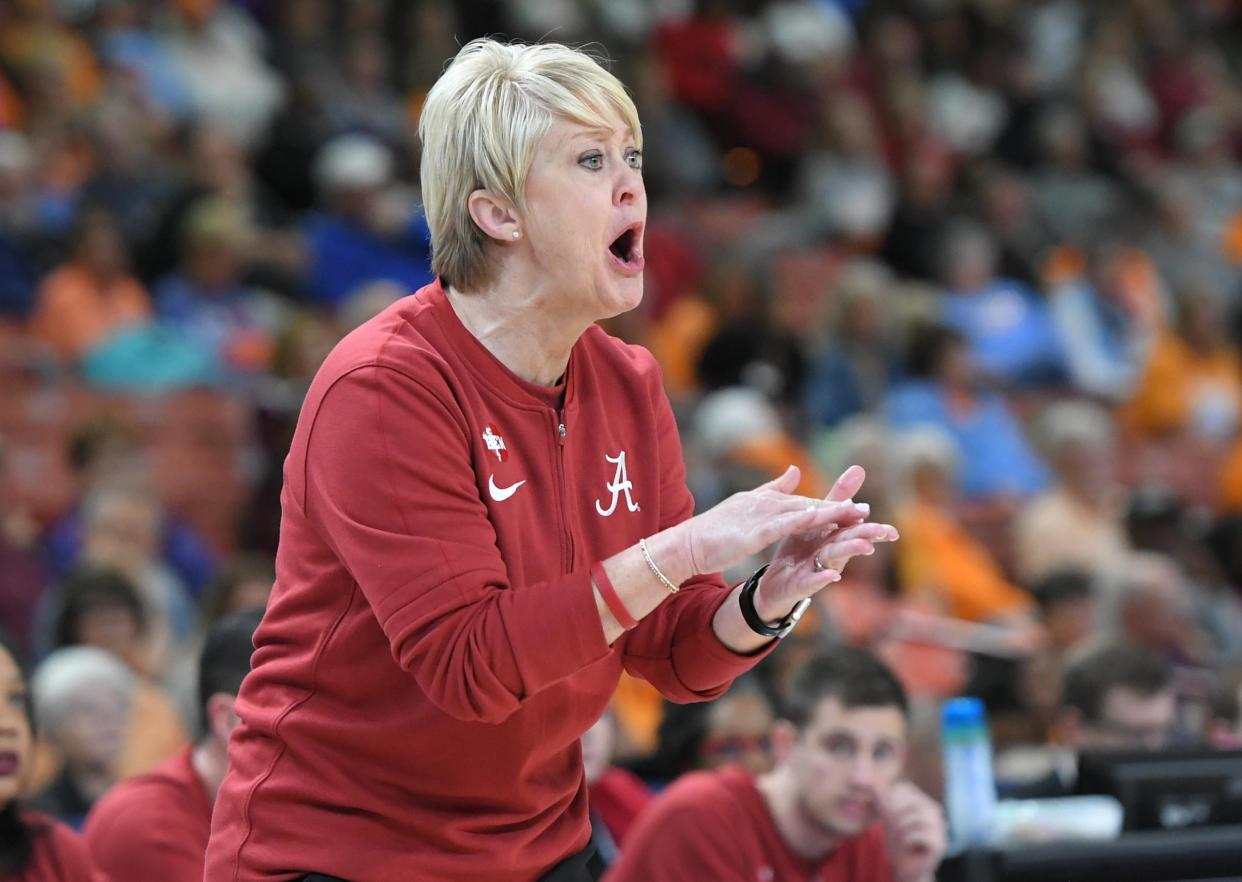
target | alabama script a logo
[{"x": 619, "y": 484}]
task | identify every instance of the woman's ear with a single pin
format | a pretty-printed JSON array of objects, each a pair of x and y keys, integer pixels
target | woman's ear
[{"x": 494, "y": 216}]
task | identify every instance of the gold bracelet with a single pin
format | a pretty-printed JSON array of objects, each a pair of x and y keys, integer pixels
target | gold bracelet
[{"x": 642, "y": 546}]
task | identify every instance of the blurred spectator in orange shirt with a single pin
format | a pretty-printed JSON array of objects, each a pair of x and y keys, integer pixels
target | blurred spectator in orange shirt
[
  {"x": 91, "y": 297},
  {"x": 937, "y": 558},
  {"x": 47, "y": 55},
  {"x": 1193, "y": 382}
]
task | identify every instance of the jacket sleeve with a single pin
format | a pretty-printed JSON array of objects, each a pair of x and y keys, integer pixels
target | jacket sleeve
[
  {"x": 390, "y": 487},
  {"x": 674, "y": 648}
]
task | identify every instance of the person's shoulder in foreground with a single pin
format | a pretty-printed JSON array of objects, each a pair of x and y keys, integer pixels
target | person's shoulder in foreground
[
  {"x": 152, "y": 826},
  {"x": 58, "y": 854},
  {"x": 832, "y": 810}
]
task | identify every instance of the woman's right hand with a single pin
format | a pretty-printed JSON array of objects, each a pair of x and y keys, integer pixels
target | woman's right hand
[{"x": 748, "y": 522}]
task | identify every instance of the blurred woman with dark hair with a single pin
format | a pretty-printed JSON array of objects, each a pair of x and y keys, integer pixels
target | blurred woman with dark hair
[{"x": 33, "y": 847}]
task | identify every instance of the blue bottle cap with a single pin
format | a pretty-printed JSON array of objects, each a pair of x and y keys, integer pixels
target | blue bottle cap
[{"x": 962, "y": 713}]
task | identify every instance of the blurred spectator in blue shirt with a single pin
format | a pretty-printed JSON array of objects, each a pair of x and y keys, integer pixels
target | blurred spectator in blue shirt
[
  {"x": 125, "y": 41},
  {"x": 1006, "y": 323},
  {"x": 1106, "y": 319},
  {"x": 369, "y": 230},
  {"x": 852, "y": 372},
  {"x": 97, "y": 450},
  {"x": 996, "y": 459},
  {"x": 206, "y": 299}
]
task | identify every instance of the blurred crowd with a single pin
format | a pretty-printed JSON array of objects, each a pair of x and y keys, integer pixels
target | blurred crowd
[{"x": 989, "y": 249}]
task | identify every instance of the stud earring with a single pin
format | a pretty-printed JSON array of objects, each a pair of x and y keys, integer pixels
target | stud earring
[{"x": 517, "y": 234}]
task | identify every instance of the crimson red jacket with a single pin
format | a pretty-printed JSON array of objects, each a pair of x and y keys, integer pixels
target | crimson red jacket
[{"x": 432, "y": 650}]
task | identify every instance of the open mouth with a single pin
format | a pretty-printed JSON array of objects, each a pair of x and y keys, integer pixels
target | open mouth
[
  {"x": 626, "y": 249},
  {"x": 9, "y": 764}
]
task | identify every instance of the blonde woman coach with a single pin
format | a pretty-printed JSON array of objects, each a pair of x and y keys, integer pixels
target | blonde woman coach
[{"x": 485, "y": 519}]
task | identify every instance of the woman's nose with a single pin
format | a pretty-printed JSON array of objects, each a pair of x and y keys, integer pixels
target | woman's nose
[{"x": 629, "y": 187}]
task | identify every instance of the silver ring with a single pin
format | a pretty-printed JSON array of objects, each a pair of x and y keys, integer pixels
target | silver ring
[{"x": 819, "y": 566}]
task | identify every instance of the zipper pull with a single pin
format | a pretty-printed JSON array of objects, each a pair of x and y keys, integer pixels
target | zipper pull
[{"x": 563, "y": 432}]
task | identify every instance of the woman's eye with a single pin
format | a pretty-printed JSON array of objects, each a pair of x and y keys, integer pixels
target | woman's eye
[
  {"x": 635, "y": 159},
  {"x": 594, "y": 161}
]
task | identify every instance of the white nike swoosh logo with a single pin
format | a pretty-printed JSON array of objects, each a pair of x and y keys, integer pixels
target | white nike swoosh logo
[{"x": 500, "y": 494}]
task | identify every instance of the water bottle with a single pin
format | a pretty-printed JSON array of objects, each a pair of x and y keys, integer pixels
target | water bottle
[{"x": 969, "y": 785}]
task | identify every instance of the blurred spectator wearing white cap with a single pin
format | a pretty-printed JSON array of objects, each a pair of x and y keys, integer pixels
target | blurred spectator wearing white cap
[{"x": 370, "y": 228}]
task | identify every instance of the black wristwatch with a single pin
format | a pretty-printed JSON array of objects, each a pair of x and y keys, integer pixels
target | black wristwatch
[{"x": 751, "y": 615}]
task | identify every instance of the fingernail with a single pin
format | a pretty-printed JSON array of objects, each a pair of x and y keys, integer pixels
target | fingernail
[
  {"x": 864, "y": 508},
  {"x": 834, "y": 577}
]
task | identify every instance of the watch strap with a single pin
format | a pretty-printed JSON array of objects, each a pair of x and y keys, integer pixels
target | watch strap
[{"x": 751, "y": 615}]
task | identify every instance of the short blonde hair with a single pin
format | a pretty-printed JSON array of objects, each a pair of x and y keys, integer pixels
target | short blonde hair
[{"x": 479, "y": 128}]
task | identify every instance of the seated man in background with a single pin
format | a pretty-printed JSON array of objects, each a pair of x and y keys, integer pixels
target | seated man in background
[
  {"x": 834, "y": 808},
  {"x": 156, "y": 826},
  {"x": 1118, "y": 697},
  {"x": 1115, "y": 696}
]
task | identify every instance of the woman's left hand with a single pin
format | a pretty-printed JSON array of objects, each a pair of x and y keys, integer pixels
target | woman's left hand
[{"x": 806, "y": 563}]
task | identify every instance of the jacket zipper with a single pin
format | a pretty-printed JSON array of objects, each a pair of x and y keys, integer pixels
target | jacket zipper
[{"x": 567, "y": 557}]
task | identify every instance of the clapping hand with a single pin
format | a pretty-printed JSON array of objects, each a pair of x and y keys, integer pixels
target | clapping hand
[{"x": 805, "y": 562}]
